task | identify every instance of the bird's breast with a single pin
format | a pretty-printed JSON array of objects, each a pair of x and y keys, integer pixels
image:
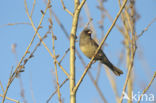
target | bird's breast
[{"x": 88, "y": 50}]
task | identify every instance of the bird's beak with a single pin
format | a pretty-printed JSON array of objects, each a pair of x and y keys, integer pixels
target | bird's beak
[{"x": 89, "y": 32}]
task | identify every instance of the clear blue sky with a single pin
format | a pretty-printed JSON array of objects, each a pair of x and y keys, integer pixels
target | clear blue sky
[{"x": 38, "y": 71}]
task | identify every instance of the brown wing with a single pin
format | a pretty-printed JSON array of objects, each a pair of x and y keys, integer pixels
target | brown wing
[{"x": 100, "y": 54}]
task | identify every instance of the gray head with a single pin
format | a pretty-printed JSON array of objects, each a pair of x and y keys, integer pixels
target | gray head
[
  {"x": 85, "y": 36},
  {"x": 87, "y": 31}
]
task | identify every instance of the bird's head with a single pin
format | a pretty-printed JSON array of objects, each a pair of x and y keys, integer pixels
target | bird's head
[{"x": 88, "y": 31}]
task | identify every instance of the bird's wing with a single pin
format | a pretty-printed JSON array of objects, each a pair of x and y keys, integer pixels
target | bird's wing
[
  {"x": 100, "y": 54},
  {"x": 94, "y": 43}
]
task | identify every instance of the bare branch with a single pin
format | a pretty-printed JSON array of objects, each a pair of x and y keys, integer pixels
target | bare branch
[
  {"x": 146, "y": 28},
  {"x": 12, "y": 24},
  {"x": 11, "y": 99},
  {"x": 57, "y": 81},
  {"x": 56, "y": 90},
  {"x": 64, "y": 55},
  {"x": 2, "y": 87},
  {"x": 33, "y": 8},
  {"x": 66, "y": 8},
  {"x": 145, "y": 90}
]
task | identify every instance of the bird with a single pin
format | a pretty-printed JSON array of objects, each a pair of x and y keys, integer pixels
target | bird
[{"x": 88, "y": 46}]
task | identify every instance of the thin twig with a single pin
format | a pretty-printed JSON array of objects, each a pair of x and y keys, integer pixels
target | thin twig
[
  {"x": 33, "y": 51},
  {"x": 57, "y": 81},
  {"x": 130, "y": 52},
  {"x": 129, "y": 21},
  {"x": 11, "y": 99},
  {"x": 1, "y": 86},
  {"x": 89, "y": 64},
  {"x": 133, "y": 50},
  {"x": 64, "y": 55},
  {"x": 33, "y": 8},
  {"x": 56, "y": 90},
  {"x": 12, "y": 24},
  {"x": 101, "y": 27},
  {"x": 66, "y": 8},
  {"x": 146, "y": 28},
  {"x": 125, "y": 27},
  {"x": 53, "y": 48},
  {"x": 149, "y": 85}
]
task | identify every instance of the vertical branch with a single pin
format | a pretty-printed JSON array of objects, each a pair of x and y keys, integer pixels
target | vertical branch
[
  {"x": 132, "y": 29},
  {"x": 33, "y": 8},
  {"x": 72, "y": 57},
  {"x": 129, "y": 72},
  {"x": 58, "y": 86},
  {"x": 129, "y": 26},
  {"x": 131, "y": 56},
  {"x": 77, "y": 9},
  {"x": 53, "y": 48},
  {"x": 1, "y": 86}
]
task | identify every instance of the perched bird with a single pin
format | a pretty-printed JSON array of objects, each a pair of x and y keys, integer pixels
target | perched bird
[{"x": 89, "y": 46}]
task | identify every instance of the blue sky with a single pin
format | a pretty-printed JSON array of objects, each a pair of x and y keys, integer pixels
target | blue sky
[{"x": 38, "y": 71}]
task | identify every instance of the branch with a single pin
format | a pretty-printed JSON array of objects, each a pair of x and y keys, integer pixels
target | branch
[
  {"x": 1, "y": 86},
  {"x": 33, "y": 8},
  {"x": 57, "y": 81},
  {"x": 10, "y": 99},
  {"x": 11, "y": 24},
  {"x": 145, "y": 90},
  {"x": 146, "y": 28},
  {"x": 133, "y": 50},
  {"x": 66, "y": 8},
  {"x": 56, "y": 90},
  {"x": 81, "y": 4},
  {"x": 64, "y": 55}
]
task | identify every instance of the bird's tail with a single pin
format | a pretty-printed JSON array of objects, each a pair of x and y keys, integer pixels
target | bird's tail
[{"x": 115, "y": 70}]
